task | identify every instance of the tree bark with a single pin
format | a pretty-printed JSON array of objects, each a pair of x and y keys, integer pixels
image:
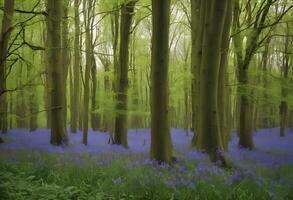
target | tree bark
[
  {"x": 4, "y": 39},
  {"x": 121, "y": 127},
  {"x": 58, "y": 130},
  {"x": 209, "y": 128},
  {"x": 284, "y": 90},
  {"x": 161, "y": 144},
  {"x": 95, "y": 119},
  {"x": 223, "y": 90},
  {"x": 197, "y": 17},
  {"x": 65, "y": 53},
  {"x": 88, "y": 7},
  {"x": 76, "y": 70}
]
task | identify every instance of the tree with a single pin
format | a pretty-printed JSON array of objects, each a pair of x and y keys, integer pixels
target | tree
[
  {"x": 161, "y": 144},
  {"x": 76, "y": 69},
  {"x": 256, "y": 24},
  {"x": 4, "y": 39},
  {"x": 284, "y": 90},
  {"x": 65, "y": 52},
  {"x": 58, "y": 129},
  {"x": 121, "y": 127},
  {"x": 197, "y": 19},
  {"x": 214, "y": 38},
  {"x": 88, "y": 11}
]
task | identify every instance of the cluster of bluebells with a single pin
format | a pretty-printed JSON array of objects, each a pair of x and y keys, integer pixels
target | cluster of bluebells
[{"x": 192, "y": 166}]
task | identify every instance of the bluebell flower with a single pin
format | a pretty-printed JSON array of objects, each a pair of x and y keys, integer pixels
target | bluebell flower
[{"x": 236, "y": 178}]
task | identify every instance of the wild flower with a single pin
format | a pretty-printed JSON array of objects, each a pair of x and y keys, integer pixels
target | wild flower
[
  {"x": 180, "y": 168},
  {"x": 236, "y": 178}
]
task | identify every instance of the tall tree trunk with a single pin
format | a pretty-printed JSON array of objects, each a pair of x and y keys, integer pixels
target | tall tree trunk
[
  {"x": 223, "y": 90},
  {"x": 32, "y": 104},
  {"x": 32, "y": 95},
  {"x": 65, "y": 53},
  {"x": 245, "y": 121},
  {"x": 209, "y": 128},
  {"x": 106, "y": 126},
  {"x": 284, "y": 90},
  {"x": 88, "y": 7},
  {"x": 48, "y": 79},
  {"x": 197, "y": 19},
  {"x": 4, "y": 39},
  {"x": 161, "y": 144},
  {"x": 121, "y": 127},
  {"x": 58, "y": 130},
  {"x": 266, "y": 108},
  {"x": 135, "y": 118},
  {"x": 76, "y": 69},
  {"x": 115, "y": 41},
  {"x": 95, "y": 119}
]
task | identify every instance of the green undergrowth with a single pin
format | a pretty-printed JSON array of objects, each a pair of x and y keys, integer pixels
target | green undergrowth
[{"x": 58, "y": 177}]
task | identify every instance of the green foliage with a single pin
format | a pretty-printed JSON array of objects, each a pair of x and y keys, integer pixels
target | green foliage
[{"x": 48, "y": 176}]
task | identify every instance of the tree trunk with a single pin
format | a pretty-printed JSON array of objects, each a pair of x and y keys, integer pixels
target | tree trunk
[
  {"x": 76, "y": 70},
  {"x": 65, "y": 54},
  {"x": 245, "y": 122},
  {"x": 20, "y": 101},
  {"x": 88, "y": 7},
  {"x": 243, "y": 62},
  {"x": 95, "y": 120},
  {"x": 209, "y": 128},
  {"x": 223, "y": 91},
  {"x": 284, "y": 90},
  {"x": 197, "y": 15},
  {"x": 48, "y": 78},
  {"x": 58, "y": 130},
  {"x": 121, "y": 127},
  {"x": 4, "y": 39},
  {"x": 161, "y": 144}
]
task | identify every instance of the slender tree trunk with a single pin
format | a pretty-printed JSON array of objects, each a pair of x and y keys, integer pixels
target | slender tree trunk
[
  {"x": 58, "y": 130},
  {"x": 95, "y": 119},
  {"x": 20, "y": 100},
  {"x": 121, "y": 127},
  {"x": 266, "y": 108},
  {"x": 4, "y": 39},
  {"x": 48, "y": 78},
  {"x": 76, "y": 69},
  {"x": 186, "y": 117},
  {"x": 223, "y": 91},
  {"x": 32, "y": 95},
  {"x": 198, "y": 11},
  {"x": 284, "y": 90},
  {"x": 136, "y": 118},
  {"x": 65, "y": 53},
  {"x": 11, "y": 110},
  {"x": 89, "y": 61},
  {"x": 115, "y": 41},
  {"x": 161, "y": 144},
  {"x": 106, "y": 116},
  {"x": 32, "y": 104}
]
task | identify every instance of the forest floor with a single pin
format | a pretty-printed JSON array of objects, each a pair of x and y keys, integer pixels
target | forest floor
[{"x": 31, "y": 168}]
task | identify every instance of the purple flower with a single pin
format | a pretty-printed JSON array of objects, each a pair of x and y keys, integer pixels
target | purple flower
[
  {"x": 180, "y": 168},
  {"x": 236, "y": 178}
]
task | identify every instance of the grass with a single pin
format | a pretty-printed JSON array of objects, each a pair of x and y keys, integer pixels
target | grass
[{"x": 35, "y": 175}]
